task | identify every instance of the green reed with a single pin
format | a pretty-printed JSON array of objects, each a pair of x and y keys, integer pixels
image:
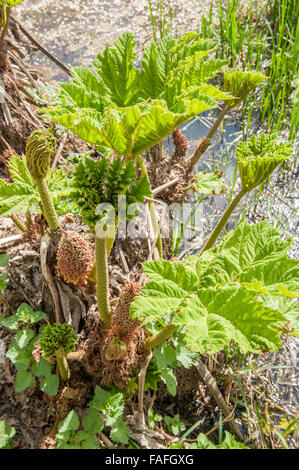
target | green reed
[{"x": 264, "y": 39}]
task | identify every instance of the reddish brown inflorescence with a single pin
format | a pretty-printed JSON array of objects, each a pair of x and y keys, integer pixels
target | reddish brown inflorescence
[
  {"x": 180, "y": 144},
  {"x": 175, "y": 167},
  {"x": 74, "y": 258},
  {"x": 117, "y": 353},
  {"x": 121, "y": 316}
]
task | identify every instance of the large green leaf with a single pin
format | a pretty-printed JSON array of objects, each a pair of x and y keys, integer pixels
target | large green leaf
[
  {"x": 211, "y": 317},
  {"x": 132, "y": 130},
  {"x": 208, "y": 183},
  {"x": 15, "y": 198},
  {"x": 192, "y": 73},
  {"x": 248, "y": 248},
  {"x": 115, "y": 68},
  {"x": 280, "y": 277},
  {"x": 22, "y": 194},
  {"x": 289, "y": 308},
  {"x": 155, "y": 67},
  {"x": 85, "y": 91},
  {"x": 176, "y": 60},
  {"x": 129, "y": 110},
  {"x": 217, "y": 298}
]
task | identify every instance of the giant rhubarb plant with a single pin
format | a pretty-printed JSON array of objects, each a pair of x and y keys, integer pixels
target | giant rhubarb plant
[{"x": 130, "y": 110}]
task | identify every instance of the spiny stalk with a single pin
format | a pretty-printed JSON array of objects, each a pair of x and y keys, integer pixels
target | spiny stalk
[
  {"x": 159, "y": 337},
  {"x": 219, "y": 227},
  {"x": 102, "y": 279},
  {"x": 40, "y": 146},
  {"x": 207, "y": 140}
]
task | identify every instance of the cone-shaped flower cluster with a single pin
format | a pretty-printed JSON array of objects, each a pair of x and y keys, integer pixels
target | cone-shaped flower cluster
[
  {"x": 74, "y": 257},
  {"x": 180, "y": 144},
  {"x": 122, "y": 316}
]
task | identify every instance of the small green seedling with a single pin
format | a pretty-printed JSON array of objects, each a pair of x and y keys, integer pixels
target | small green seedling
[
  {"x": 104, "y": 411},
  {"x": 174, "y": 424},
  {"x": 153, "y": 418},
  {"x": 6, "y": 435}
]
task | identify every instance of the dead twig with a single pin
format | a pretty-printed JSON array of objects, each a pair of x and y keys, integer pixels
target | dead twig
[
  {"x": 213, "y": 389},
  {"x": 8, "y": 240},
  {"x": 59, "y": 150},
  {"x": 20, "y": 64},
  {"x": 44, "y": 246},
  {"x": 141, "y": 379},
  {"x": 161, "y": 188},
  {"x": 42, "y": 48}
]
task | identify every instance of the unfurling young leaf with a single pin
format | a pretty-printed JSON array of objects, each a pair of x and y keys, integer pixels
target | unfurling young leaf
[
  {"x": 240, "y": 84},
  {"x": 258, "y": 157}
]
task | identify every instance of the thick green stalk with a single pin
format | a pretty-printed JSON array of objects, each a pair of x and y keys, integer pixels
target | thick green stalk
[
  {"x": 151, "y": 207},
  {"x": 219, "y": 227},
  {"x": 47, "y": 204},
  {"x": 63, "y": 365},
  {"x": 102, "y": 277},
  {"x": 160, "y": 337},
  {"x": 110, "y": 240},
  {"x": 5, "y": 22}
]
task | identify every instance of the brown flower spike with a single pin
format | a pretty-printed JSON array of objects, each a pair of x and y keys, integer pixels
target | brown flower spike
[{"x": 74, "y": 258}]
